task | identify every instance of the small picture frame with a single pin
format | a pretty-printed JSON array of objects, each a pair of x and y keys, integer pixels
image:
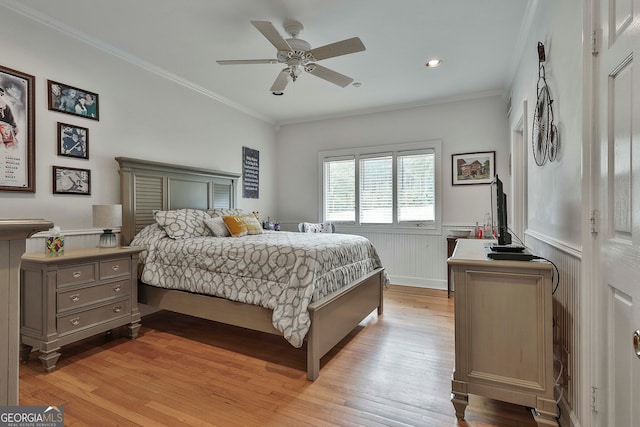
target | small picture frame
[
  {"x": 73, "y": 141},
  {"x": 71, "y": 100},
  {"x": 71, "y": 180},
  {"x": 473, "y": 168}
]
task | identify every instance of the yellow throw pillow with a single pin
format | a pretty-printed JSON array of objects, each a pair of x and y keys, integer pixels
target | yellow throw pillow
[{"x": 241, "y": 225}]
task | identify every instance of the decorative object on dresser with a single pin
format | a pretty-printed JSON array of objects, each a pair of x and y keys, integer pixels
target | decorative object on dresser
[
  {"x": 17, "y": 131},
  {"x": 71, "y": 297},
  {"x": 107, "y": 217},
  {"x": 13, "y": 235}
]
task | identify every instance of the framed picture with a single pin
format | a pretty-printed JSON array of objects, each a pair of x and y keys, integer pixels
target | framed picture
[
  {"x": 71, "y": 180},
  {"x": 17, "y": 131},
  {"x": 473, "y": 168},
  {"x": 71, "y": 100},
  {"x": 73, "y": 141}
]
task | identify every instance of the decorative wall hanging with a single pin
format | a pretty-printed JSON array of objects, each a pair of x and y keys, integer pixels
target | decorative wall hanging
[
  {"x": 71, "y": 100},
  {"x": 17, "y": 131},
  {"x": 250, "y": 173},
  {"x": 473, "y": 168},
  {"x": 73, "y": 141},
  {"x": 71, "y": 181},
  {"x": 544, "y": 138}
]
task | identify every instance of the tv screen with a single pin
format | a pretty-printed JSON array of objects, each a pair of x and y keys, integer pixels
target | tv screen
[{"x": 499, "y": 212}]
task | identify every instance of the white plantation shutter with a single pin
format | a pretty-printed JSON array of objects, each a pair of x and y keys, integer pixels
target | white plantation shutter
[
  {"x": 340, "y": 190},
  {"x": 394, "y": 186},
  {"x": 416, "y": 187},
  {"x": 376, "y": 190}
]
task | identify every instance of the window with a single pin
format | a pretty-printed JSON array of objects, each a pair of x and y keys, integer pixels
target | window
[{"x": 391, "y": 186}]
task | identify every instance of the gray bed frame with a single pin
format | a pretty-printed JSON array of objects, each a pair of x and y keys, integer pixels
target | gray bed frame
[{"x": 147, "y": 186}]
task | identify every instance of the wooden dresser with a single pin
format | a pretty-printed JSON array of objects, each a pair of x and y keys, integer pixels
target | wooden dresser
[
  {"x": 70, "y": 297},
  {"x": 503, "y": 331},
  {"x": 13, "y": 235}
]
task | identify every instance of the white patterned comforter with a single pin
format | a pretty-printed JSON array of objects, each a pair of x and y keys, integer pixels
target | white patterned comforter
[{"x": 281, "y": 271}]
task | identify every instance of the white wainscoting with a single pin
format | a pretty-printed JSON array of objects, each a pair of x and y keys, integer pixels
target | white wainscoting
[
  {"x": 74, "y": 239},
  {"x": 566, "y": 316}
]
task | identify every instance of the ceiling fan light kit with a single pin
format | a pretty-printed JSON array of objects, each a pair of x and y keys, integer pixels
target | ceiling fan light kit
[{"x": 299, "y": 57}]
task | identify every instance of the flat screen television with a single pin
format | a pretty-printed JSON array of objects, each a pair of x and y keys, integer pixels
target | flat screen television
[{"x": 499, "y": 212}]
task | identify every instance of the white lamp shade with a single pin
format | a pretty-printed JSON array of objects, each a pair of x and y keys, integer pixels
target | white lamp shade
[{"x": 107, "y": 216}]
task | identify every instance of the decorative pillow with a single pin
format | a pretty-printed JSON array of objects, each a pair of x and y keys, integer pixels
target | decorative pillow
[
  {"x": 224, "y": 212},
  {"x": 183, "y": 223},
  {"x": 217, "y": 226},
  {"x": 241, "y": 225}
]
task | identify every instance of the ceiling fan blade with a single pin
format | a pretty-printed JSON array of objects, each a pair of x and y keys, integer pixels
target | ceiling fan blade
[
  {"x": 269, "y": 31},
  {"x": 343, "y": 47},
  {"x": 329, "y": 75},
  {"x": 281, "y": 81},
  {"x": 246, "y": 61}
]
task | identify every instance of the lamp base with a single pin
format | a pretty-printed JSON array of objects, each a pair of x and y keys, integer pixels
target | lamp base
[{"x": 108, "y": 239}]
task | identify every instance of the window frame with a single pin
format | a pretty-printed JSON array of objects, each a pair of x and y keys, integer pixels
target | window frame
[{"x": 412, "y": 227}]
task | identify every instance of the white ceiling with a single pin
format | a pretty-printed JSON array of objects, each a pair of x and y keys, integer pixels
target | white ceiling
[{"x": 478, "y": 40}]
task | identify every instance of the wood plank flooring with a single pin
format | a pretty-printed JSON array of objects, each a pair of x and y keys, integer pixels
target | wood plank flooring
[{"x": 393, "y": 370}]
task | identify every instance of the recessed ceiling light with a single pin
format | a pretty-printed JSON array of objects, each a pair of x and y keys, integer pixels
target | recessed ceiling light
[
  {"x": 357, "y": 84},
  {"x": 432, "y": 63},
  {"x": 278, "y": 93}
]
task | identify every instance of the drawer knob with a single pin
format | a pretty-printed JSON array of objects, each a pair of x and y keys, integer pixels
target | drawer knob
[
  {"x": 115, "y": 267},
  {"x": 77, "y": 274},
  {"x": 117, "y": 309},
  {"x": 75, "y": 297},
  {"x": 116, "y": 288},
  {"x": 75, "y": 321}
]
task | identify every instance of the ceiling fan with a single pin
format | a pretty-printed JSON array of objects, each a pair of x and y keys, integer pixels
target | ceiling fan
[{"x": 298, "y": 55}]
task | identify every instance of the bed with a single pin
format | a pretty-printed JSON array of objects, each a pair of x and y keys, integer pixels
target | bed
[{"x": 331, "y": 306}]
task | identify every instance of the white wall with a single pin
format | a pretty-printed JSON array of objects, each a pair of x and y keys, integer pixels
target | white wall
[
  {"x": 142, "y": 115},
  {"x": 478, "y": 124},
  {"x": 555, "y": 188}
]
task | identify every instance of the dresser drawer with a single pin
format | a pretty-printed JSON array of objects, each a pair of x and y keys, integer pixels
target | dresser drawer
[
  {"x": 81, "y": 297},
  {"x": 115, "y": 268},
  {"x": 77, "y": 274},
  {"x": 92, "y": 317}
]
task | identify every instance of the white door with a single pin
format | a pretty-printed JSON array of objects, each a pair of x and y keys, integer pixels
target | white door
[{"x": 619, "y": 236}]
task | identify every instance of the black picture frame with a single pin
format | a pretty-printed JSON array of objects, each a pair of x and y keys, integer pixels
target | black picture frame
[
  {"x": 473, "y": 168},
  {"x": 72, "y": 100},
  {"x": 17, "y": 131},
  {"x": 68, "y": 180},
  {"x": 73, "y": 141}
]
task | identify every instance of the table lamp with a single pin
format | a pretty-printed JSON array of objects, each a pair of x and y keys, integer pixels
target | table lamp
[{"x": 107, "y": 217}]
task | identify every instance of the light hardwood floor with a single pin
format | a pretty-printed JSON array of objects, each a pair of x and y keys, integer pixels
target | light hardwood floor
[{"x": 393, "y": 370}]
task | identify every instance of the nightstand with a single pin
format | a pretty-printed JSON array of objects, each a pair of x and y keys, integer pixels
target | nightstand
[{"x": 70, "y": 297}]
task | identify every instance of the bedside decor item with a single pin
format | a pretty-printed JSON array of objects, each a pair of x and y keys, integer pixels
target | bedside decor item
[
  {"x": 250, "y": 173},
  {"x": 71, "y": 100},
  {"x": 473, "y": 168},
  {"x": 544, "y": 136},
  {"x": 54, "y": 245},
  {"x": 107, "y": 217},
  {"x": 17, "y": 131},
  {"x": 71, "y": 181},
  {"x": 73, "y": 141}
]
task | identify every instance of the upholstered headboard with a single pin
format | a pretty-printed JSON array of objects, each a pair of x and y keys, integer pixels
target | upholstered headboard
[{"x": 147, "y": 186}]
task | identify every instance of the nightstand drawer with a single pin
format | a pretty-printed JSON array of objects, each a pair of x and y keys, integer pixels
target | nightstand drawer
[
  {"x": 115, "y": 268},
  {"x": 77, "y": 274},
  {"x": 92, "y": 317},
  {"x": 81, "y": 297}
]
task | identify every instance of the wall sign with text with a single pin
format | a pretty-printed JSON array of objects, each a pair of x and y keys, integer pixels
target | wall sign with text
[{"x": 250, "y": 173}]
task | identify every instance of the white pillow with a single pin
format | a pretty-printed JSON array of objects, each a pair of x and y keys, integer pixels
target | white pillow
[
  {"x": 183, "y": 223},
  {"x": 217, "y": 226}
]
